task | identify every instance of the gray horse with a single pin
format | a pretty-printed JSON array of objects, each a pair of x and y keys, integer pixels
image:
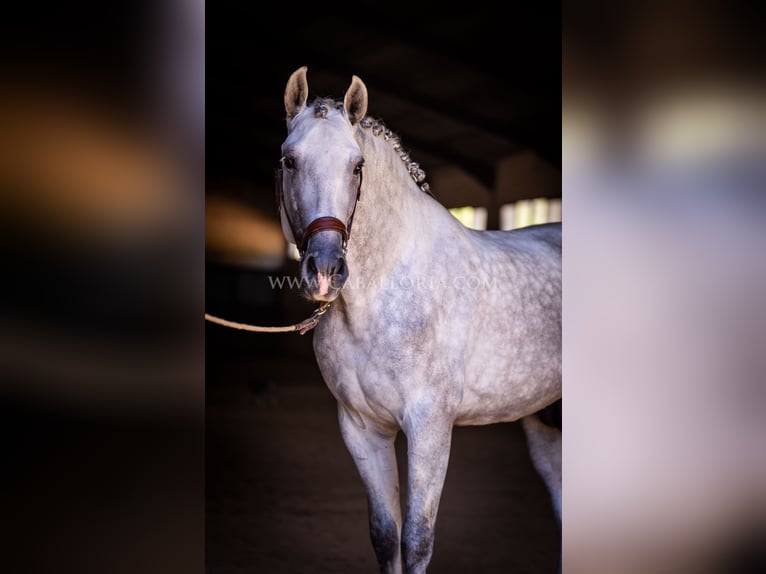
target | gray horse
[{"x": 431, "y": 324}]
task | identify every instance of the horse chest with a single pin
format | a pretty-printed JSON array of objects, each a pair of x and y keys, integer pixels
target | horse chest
[{"x": 380, "y": 370}]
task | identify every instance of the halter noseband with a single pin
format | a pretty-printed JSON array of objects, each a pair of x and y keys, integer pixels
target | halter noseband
[{"x": 326, "y": 223}]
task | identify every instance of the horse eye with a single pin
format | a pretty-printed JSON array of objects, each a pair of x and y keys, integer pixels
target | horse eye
[
  {"x": 358, "y": 168},
  {"x": 288, "y": 162}
]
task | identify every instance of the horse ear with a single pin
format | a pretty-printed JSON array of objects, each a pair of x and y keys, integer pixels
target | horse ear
[
  {"x": 355, "y": 101},
  {"x": 296, "y": 92}
]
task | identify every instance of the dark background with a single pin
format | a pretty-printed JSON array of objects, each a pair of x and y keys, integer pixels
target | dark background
[
  {"x": 469, "y": 90},
  {"x": 461, "y": 86}
]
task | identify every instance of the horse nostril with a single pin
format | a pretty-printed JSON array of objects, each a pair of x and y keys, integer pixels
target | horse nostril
[
  {"x": 311, "y": 263},
  {"x": 340, "y": 268}
]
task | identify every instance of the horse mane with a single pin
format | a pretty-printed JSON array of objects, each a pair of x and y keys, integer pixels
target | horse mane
[{"x": 323, "y": 106}]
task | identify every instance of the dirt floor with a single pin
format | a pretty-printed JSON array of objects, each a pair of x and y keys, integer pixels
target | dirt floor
[{"x": 283, "y": 495}]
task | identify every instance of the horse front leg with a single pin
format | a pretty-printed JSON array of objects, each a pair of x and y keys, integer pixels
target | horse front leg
[
  {"x": 374, "y": 454},
  {"x": 428, "y": 445}
]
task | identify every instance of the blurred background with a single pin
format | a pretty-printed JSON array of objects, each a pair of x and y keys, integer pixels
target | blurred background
[
  {"x": 101, "y": 331},
  {"x": 663, "y": 141}
]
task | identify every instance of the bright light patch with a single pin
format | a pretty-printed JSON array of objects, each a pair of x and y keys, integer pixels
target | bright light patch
[{"x": 473, "y": 217}]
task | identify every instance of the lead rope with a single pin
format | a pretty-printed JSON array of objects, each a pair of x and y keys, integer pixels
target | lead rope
[{"x": 303, "y": 327}]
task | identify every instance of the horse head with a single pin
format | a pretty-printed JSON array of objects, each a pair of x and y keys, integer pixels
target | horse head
[{"x": 319, "y": 181}]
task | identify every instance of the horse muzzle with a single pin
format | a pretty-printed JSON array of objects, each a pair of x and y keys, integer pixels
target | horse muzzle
[{"x": 323, "y": 267}]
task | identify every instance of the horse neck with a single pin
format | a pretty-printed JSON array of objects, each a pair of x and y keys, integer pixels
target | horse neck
[
  {"x": 394, "y": 227},
  {"x": 390, "y": 209}
]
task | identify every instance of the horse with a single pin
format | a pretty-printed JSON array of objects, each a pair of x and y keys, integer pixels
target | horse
[{"x": 430, "y": 324}]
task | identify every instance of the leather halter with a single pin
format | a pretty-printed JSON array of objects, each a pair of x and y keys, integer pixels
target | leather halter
[{"x": 325, "y": 223}]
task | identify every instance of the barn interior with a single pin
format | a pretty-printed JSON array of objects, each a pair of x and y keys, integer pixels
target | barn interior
[{"x": 475, "y": 97}]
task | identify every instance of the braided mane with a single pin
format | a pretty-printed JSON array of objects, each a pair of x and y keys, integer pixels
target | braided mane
[{"x": 323, "y": 106}]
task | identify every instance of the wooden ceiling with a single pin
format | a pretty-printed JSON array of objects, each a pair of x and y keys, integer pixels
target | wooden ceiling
[{"x": 469, "y": 91}]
